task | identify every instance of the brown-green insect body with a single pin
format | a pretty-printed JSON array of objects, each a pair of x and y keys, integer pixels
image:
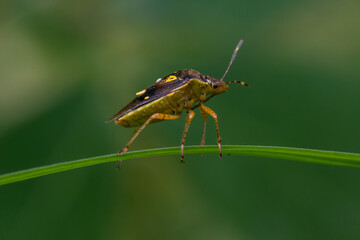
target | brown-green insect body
[
  {"x": 169, "y": 96},
  {"x": 182, "y": 91}
]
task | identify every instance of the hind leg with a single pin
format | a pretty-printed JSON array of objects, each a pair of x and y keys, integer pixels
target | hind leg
[
  {"x": 159, "y": 116},
  {"x": 188, "y": 119}
]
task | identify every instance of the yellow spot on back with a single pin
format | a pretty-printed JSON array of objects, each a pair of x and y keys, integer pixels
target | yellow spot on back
[
  {"x": 171, "y": 78},
  {"x": 140, "y": 93},
  {"x": 147, "y": 97}
]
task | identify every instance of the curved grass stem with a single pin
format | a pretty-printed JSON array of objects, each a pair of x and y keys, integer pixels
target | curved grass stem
[{"x": 296, "y": 154}]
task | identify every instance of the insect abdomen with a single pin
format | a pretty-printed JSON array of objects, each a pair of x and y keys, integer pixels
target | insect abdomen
[
  {"x": 172, "y": 103},
  {"x": 139, "y": 116}
]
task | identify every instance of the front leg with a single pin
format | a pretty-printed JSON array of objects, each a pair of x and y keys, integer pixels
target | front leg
[{"x": 213, "y": 114}]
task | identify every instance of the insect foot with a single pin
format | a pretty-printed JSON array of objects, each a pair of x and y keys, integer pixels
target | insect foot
[
  {"x": 124, "y": 150},
  {"x": 220, "y": 151},
  {"x": 182, "y": 154},
  {"x": 119, "y": 163}
]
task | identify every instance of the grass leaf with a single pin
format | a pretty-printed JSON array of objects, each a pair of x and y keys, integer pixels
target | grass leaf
[{"x": 297, "y": 154}]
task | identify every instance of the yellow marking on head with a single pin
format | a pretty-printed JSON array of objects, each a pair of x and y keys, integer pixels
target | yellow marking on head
[
  {"x": 147, "y": 97},
  {"x": 141, "y": 92},
  {"x": 171, "y": 78}
]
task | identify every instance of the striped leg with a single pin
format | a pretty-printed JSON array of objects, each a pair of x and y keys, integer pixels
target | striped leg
[
  {"x": 188, "y": 119},
  {"x": 203, "y": 113}
]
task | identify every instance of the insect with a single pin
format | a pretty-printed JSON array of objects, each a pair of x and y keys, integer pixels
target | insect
[{"x": 169, "y": 96}]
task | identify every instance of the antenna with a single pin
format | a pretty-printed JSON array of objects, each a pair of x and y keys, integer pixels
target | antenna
[
  {"x": 233, "y": 57},
  {"x": 241, "y": 82}
]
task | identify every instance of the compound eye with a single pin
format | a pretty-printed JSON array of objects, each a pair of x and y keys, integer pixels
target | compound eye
[{"x": 215, "y": 85}]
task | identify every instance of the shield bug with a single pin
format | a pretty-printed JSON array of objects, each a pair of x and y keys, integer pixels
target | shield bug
[{"x": 169, "y": 96}]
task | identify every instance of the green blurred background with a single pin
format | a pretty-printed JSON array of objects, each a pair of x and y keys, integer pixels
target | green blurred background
[{"x": 66, "y": 66}]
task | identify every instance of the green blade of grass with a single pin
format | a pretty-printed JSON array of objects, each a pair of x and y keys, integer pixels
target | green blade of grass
[{"x": 297, "y": 154}]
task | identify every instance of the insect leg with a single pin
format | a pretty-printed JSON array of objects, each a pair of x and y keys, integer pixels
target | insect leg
[
  {"x": 203, "y": 113},
  {"x": 137, "y": 131},
  {"x": 188, "y": 119},
  {"x": 213, "y": 114}
]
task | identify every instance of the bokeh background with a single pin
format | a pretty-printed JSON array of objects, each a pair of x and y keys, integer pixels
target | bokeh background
[{"x": 66, "y": 66}]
